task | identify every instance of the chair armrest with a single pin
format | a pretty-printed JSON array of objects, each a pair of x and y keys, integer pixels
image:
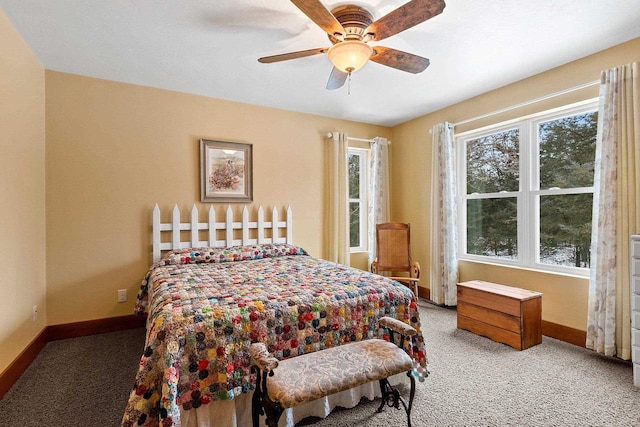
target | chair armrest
[
  {"x": 415, "y": 269},
  {"x": 397, "y": 326},
  {"x": 405, "y": 279},
  {"x": 262, "y": 358}
]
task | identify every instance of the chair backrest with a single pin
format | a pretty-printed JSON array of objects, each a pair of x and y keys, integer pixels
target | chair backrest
[{"x": 393, "y": 246}]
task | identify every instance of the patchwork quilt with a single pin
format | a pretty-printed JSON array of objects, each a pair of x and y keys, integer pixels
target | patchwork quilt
[{"x": 205, "y": 307}]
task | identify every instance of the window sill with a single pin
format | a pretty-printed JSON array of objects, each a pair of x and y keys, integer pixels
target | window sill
[{"x": 529, "y": 269}]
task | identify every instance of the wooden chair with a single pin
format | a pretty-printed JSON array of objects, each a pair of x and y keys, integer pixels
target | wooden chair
[{"x": 393, "y": 254}]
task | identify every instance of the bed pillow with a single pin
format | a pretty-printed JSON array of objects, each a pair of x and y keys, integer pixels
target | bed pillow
[{"x": 234, "y": 253}]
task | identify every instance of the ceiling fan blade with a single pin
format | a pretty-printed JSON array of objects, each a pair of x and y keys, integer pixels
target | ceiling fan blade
[
  {"x": 400, "y": 60},
  {"x": 321, "y": 16},
  {"x": 291, "y": 55},
  {"x": 336, "y": 79},
  {"x": 404, "y": 17}
]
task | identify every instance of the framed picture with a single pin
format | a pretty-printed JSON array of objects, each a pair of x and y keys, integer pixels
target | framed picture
[{"x": 225, "y": 171}]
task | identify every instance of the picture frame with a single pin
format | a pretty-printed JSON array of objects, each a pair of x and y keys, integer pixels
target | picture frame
[{"x": 226, "y": 171}]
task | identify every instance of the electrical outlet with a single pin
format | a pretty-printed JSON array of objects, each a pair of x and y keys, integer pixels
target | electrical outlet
[
  {"x": 122, "y": 295},
  {"x": 35, "y": 313}
]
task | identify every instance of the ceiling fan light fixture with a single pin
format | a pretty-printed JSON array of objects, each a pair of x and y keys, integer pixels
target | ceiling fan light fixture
[{"x": 349, "y": 56}]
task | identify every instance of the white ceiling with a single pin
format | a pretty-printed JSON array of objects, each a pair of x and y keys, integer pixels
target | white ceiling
[{"x": 211, "y": 47}]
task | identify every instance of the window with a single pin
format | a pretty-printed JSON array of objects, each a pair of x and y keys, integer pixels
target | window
[
  {"x": 357, "y": 164},
  {"x": 526, "y": 190}
]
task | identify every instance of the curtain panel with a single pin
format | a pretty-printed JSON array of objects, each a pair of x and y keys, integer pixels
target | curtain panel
[
  {"x": 338, "y": 203},
  {"x": 616, "y": 211},
  {"x": 443, "y": 270},
  {"x": 378, "y": 209}
]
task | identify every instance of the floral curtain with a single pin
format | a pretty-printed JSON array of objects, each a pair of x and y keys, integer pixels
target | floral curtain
[
  {"x": 378, "y": 190},
  {"x": 444, "y": 229},
  {"x": 616, "y": 211},
  {"x": 338, "y": 241}
]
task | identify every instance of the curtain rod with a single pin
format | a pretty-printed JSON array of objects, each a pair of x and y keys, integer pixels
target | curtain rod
[
  {"x": 525, "y": 103},
  {"x": 350, "y": 138}
]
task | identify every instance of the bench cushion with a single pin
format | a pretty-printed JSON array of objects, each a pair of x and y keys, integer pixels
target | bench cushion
[{"x": 314, "y": 375}]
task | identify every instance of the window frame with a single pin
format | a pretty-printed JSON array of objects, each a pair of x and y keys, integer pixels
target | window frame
[
  {"x": 363, "y": 200},
  {"x": 528, "y": 194}
]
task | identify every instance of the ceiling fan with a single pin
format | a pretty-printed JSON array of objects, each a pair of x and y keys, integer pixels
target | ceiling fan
[{"x": 350, "y": 29}]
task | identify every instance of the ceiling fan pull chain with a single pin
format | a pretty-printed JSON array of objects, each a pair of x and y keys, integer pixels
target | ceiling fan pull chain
[{"x": 349, "y": 84}]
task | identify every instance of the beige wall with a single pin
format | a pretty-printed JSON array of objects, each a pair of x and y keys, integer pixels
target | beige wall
[
  {"x": 565, "y": 297},
  {"x": 114, "y": 150},
  {"x": 22, "y": 217}
]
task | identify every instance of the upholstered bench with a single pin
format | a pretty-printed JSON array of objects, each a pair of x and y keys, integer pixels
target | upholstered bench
[{"x": 290, "y": 382}]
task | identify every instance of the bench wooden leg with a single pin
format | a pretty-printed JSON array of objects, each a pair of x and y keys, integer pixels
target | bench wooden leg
[{"x": 391, "y": 397}]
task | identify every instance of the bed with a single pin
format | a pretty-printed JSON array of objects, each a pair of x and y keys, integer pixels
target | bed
[{"x": 207, "y": 301}]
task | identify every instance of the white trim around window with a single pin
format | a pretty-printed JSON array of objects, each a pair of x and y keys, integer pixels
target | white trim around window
[
  {"x": 362, "y": 201},
  {"x": 527, "y": 196}
]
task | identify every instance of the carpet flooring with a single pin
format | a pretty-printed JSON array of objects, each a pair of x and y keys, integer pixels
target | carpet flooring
[{"x": 474, "y": 382}]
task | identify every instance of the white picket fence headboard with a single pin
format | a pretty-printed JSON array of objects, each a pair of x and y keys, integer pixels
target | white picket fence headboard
[{"x": 229, "y": 225}]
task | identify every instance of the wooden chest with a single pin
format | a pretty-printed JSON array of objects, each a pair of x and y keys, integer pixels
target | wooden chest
[{"x": 503, "y": 313}]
